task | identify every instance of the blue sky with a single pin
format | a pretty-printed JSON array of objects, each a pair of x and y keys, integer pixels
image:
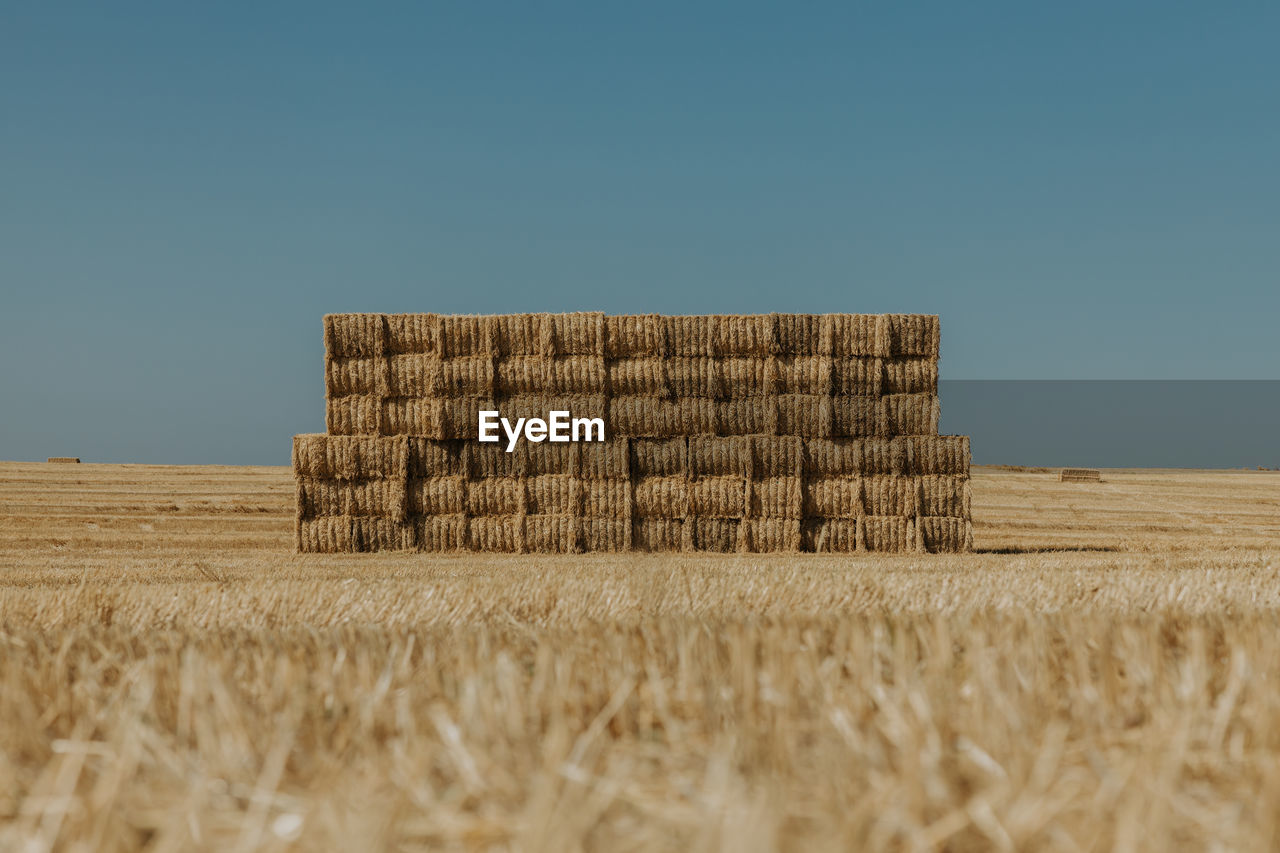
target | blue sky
[{"x": 1082, "y": 191}]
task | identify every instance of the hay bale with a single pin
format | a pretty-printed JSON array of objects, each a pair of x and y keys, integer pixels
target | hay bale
[
  {"x": 369, "y": 533},
  {"x": 602, "y": 460},
  {"x": 888, "y": 534},
  {"x": 807, "y": 415},
  {"x": 325, "y": 457},
  {"x": 329, "y": 535},
  {"x": 548, "y": 533},
  {"x": 636, "y": 377},
  {"x": 660, "y": 497},
  {"x": 911, "y": 414},
  {"x": 493, "y": 496},
  {"x": 441, "y": 533},
  {"x": 909, "y": 375},
  {"x": 344, "y": 375},
  {"x": 550, "y": 494},
  {"x": 353, "y": 335},
  {"x": 633, "y": 336},
  {"x": 913, "y": 334},
  {"x": 718, "y": 456},
  {"x": 500, "y": 534},
  {"x": 352, "y": 414},
  {"x": 829, "y": 535},
  {"x": 889, "y": 495},
  {"x": 741, "y": 334},
  {"x": 417, "y": 334},
  {"x": 317, "y": 498},
  {"x": 659, "y": 457},
  {"x": 937, "y": 454},
  {"x": 858, "y": 417},
  {"x": 603, "y": 499},
  {"x": 429, "y": 457},
  {"x": 719, "y": 535},
  {"x": 436, "y": 495},
  {"x": 945, "y": 535},
  {"x": 537, "y": 375},
  {"x": 604, "y": 534},
  {"x": 656, "y": 417},
  {"x": 776, "y": 456},
  {"x": 71, "y": 460},
  {"x": 769, "y": 535},
  {"x": 832, "y": 497},
  {"x": 856, "y": 376},
  {"x": 657, "y": 534},
  {"x": 716, "y": 497},
  {"x": 943, "y": 495},
  {"x": 1079, "y": 475},
  {"x": 747, "y": 416},
  {"x": 485, "y": 460},
  {"x": 689, "y": 335},
  {"x": 580, "y": 333},
  {"x": 776, "y": 497}
]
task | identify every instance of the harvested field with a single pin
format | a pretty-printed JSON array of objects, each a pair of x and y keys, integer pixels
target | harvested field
[{"x": 1099, "y": 673}]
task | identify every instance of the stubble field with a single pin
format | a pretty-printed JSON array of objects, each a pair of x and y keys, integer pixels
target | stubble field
[{"x": 1102, "y": 673}]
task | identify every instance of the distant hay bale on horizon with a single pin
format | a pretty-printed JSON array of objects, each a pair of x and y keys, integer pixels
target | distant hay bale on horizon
[
  {"x": 1080, "y": 475},
  {"x": 68, "y": 459}
]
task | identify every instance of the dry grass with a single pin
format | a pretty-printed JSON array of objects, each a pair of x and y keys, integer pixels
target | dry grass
[{"x": 1098, "y": 675}]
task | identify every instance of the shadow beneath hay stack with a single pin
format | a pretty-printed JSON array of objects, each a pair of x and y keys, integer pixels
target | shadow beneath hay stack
[{"x": 1043, "y": 549}]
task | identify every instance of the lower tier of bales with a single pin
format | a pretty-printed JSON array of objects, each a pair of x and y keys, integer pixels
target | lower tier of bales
[{"x": 561, "y": 534}]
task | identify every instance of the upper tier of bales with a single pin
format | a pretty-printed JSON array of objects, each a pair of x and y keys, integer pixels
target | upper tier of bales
[{"x": 631, "y": 336}]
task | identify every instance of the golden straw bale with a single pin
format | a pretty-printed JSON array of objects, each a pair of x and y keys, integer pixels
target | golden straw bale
[
  {"x": 938, "y": 454},
  {"x": 603, "y": 460},
  {"x": 429, "y": 457},
  {"x": 718, "y": 455},
  {"x": 833, "y": 497},
  {"x": 659, "y": 457},
  {"x": 857, "y": 376},
  {"x": 657, "y": 534},
  {"x": 550, "y": 494},
  {"x": 641, "y": 376},
  {"x": 913, "y": 334},
  {"x": 490, "y": 459},
  {"x": 889, "y": 495},
  {"x": 776, "y": 497},
  {"x": 660, "y": 497},
  {"x": 808, "y": 415},
  {"x": 441, "y": 533},
  {"x": 741, "y": 334},
  {"x": 345, "y": 375},
  {"x": 535, "y": 374},
  {"x": 829, "y": 535},
  {"x": 656, "y": 417},
  {"x": 910, "y": 374},
  {"x": 945, "y": 535},
  {"x": 891, "y": 533},
  {"x": 436, "y": 495},
  {"x": 468, "y": 334},
  {"x": 746, "y": 416},
  {"x": 521, "y": 334},
  {"x": 350, "y": 457},
  {"x": 382, "y": 534},
  {"x": 352, "y": 414},
  {"x": 859, "y": 417},
  {"x": 858, "y": 335},
  {"x": 776, "y": 456},
  {"x": 799, "y": 334},
  {"x": 65, "y": 460},
  {"x": 549, "y": 534},
  {"x": 943, "y": 495},
  {"x": 502, "y": 534},
  {"x": 603, "y": 499},
  {"x": 537, "y": 458},
  {"x": 351, "y": 497},
  {"x": 719, "y": 535},
  {"x": 493, "y": 496},
  {"x": 717, "y": 497},
  {"x": 580, "y": 333},
  {"x": 603, "y": 534},
  {"x": 688, "y": 335},
  {"x": 353, "y": 335},
  {"x": 417, "y": 334},
  {"x": 632, "y": 336},
  {"x": 911, "y": 414},
  {"x": 767, "y": 535},
  {"x": 329, "y": 535}
]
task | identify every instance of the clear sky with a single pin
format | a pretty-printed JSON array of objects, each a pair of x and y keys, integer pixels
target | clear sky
[{"x": 1082, "y": 190}]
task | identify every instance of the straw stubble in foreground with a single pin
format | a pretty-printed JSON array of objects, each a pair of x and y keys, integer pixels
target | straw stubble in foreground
[{"x": 171, "y": 677}]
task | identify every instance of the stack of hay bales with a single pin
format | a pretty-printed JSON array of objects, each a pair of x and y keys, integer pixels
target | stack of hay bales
[{"x": 780, "y": 432}]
